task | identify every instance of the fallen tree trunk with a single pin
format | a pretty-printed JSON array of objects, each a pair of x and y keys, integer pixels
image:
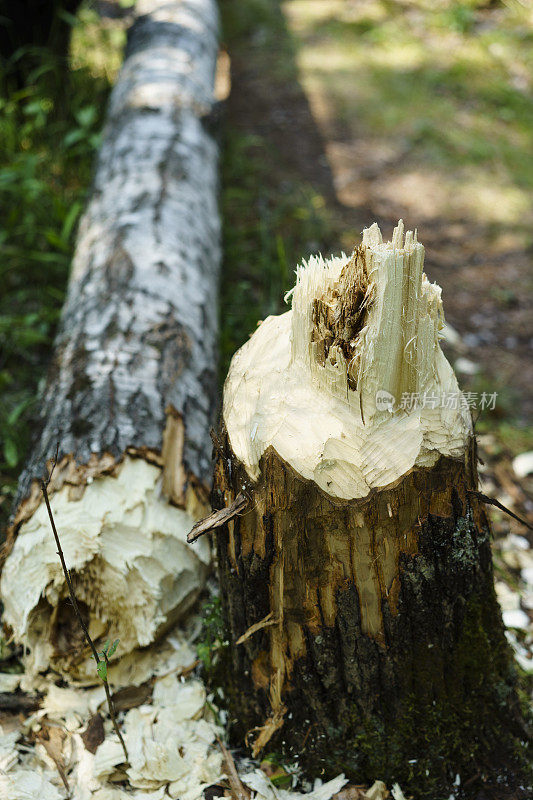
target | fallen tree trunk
[
  {"x": 131, "y": 390},
  {"x": 356, "y": 583}
]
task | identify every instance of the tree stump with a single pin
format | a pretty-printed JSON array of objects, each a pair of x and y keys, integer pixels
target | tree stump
[
  {"x": 132, "y": 387},
  {"x": 357, "y": 587}
]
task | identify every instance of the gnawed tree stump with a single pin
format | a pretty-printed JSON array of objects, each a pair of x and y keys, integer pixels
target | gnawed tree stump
[
  {"x": 131, "y": 391},
  {"x": 356, "y": 584}
]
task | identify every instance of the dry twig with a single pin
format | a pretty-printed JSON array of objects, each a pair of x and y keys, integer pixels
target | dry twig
[
  {"x": 492, "y": 502},
  {"x": 238, "y": 791},
  {"x": 218, "y": 518}
]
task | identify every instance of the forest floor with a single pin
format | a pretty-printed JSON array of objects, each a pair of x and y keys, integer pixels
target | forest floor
[
  {"x": 354, "y": 111},
  {"x": 345, "y": 113},
  {"x": 342, "y": 113}
]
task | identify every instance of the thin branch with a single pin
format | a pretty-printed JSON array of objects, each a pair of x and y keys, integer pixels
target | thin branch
[
  {"x": 54, "y": 462},
  {"x": 492, "y": 502},
  {"x": 264, "y": 623},
  {"x": 238, "y": 791},
  {"x": 73, "y": 600}
]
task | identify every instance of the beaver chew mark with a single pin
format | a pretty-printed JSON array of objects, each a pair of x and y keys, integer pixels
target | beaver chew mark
[{"x": 339, "y": 316}]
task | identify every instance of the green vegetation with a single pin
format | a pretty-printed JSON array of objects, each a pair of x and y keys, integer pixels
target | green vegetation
[
  {"x": 105, "y": 654},
  {"x": 266, "y": 233},
  {"x": 272, "y": 217},
  {"x": 49, "y": 132},
  {"x": 211, "y": 640}
]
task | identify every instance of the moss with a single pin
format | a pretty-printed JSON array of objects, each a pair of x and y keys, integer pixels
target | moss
[{"x": 461, "y": 727}]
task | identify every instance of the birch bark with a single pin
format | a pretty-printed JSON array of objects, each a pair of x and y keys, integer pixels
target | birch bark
[{"x": 131, "y": 390}]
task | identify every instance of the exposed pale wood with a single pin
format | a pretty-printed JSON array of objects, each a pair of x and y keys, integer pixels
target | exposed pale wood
[
  {"x": 130, "y": 395},
  {"x": 174, "y": 474},
  {"x": 306, "y": 383},
  {"x": 357, "y": 589},
  {"x": 263, "y": 623}
]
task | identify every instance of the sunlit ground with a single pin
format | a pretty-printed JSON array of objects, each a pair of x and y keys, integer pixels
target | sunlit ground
[{"x": 435, "y": 99}]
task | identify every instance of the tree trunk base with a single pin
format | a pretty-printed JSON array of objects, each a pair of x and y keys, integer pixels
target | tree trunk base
[
  {"x": 418, "y": 689},
  {"x": 357, "y": 587}
]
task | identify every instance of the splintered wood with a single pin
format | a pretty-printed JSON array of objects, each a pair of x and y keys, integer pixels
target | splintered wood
[
  {"x": 344, "y": 427},
  {"x": 328, "y": 384}
]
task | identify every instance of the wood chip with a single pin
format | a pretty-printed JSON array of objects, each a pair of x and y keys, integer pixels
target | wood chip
[
  {"x": 378, "y": 791},
  {"x": 218, "y": 518},
  {"x": 264, "y": 623}
]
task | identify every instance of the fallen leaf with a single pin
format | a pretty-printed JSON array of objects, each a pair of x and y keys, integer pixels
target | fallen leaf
[
  {"x": 52, "y": 737},
  {"x": 132, "y": 696},
  {"x": 378, "y": 791},
  {"x": 351, "y": 792},
  {"x": 94, "y": 734}
]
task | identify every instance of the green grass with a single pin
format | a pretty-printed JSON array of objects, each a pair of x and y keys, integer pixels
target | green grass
[
  {"x": 450, "y": 82},
  {"x": 49, "y": 133}
]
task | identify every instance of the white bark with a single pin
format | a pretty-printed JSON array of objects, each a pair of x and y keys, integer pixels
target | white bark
[{"x": 134, "y": 369}]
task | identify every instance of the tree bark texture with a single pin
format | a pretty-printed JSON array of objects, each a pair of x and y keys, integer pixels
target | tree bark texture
[
  {"x": 134, "y": 371},
  {"x": 138, "y": 333},
  {"x": 378, "y": 646},
  {"x": 364, "y": 635}
]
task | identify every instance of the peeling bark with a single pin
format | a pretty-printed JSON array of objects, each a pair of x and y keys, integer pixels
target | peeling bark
[
  {"x": 357, "y": 590},
  {"x": 134, "y": 367}
]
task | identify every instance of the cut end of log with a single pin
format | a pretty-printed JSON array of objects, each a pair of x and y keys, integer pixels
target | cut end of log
[
  {"x": 350, "y": 387},
  {"x": 133, "y": 572}
]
